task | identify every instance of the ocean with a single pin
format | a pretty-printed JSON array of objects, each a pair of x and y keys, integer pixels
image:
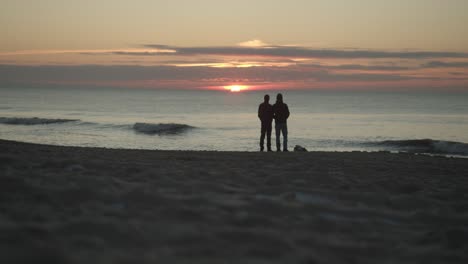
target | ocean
[{"x": 435, "y": 123}]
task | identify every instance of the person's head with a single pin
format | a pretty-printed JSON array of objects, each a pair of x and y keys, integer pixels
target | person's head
[
  {"x": 266, "y": 98},
  {"x": 279, "y": 98}
]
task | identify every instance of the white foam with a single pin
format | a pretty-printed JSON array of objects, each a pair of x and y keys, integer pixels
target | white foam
[{"x": 448, "y": 147}]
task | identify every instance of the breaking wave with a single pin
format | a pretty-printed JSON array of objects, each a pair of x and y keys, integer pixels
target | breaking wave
[
  {"x": 153, "y": 129},
  {"x": 33, "y": 121},
  {"x": 426, "y": 146}
]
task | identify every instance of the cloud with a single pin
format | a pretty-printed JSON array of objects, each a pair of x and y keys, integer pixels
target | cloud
[
  {"x": 300, "y": 52},
  {"x": 99, "y": 73},
  {"x": 154, "y": 50},
  {"x": 253, "y": 43},
  {"x": 164, "y": 77},
  {"x": 255, "y": 48},
  {"x": 250, "y": 62},
  {"x": 442, "y": 64},
  {"x": 360, "y": 67},
  {"x": 252, "y": 53}
]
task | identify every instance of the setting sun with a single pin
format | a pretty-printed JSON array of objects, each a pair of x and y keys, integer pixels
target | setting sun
[{"x": 236, "y": 88}]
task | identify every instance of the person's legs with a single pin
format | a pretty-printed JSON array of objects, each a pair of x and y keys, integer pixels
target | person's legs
[
  {"x": 262, "y": 135},
  {"x": 268, "y": 135},
  {"x": 278, "y": 130},
  {"x": 285, "y": 137}
]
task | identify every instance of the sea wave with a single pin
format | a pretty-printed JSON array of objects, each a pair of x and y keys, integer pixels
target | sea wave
[
  {"x": 33, "y": 120},
  {"x": 161, "y": 128},
  {"x": 426, "y": 146},
  {"x": 106, "y": 125}
]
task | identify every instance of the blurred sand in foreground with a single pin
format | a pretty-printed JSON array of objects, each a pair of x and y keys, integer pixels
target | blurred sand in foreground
[{"x": 93, "y": 205}]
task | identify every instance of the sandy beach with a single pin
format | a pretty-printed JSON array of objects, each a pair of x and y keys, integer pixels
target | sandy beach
[{"x": 94, "y": 205}]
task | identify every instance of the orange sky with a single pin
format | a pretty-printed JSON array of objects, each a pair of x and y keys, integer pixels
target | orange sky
[{"x": 207, "y": 44}]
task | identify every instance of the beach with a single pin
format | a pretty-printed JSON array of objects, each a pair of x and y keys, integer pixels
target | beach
[{"x": 95, "y": 205}]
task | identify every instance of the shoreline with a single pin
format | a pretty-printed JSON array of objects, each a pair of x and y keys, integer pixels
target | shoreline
[
  {"x": 63, "y": 204},
  {"x": 395, "y": 152}
]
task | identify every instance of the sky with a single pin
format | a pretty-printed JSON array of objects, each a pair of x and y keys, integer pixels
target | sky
[{"x": 214, "y": 44}]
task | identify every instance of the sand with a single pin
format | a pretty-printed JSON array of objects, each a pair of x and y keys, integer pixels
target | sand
[{"x": 94, "y": 205}]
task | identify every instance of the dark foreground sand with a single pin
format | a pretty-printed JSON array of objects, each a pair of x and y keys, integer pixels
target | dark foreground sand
[{"x": 89, "y": 205}]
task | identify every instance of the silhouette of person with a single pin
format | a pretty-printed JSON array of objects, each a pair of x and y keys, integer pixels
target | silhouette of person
[
  {"x": 281, "y": 114},
  {"x": 265, "y": 114}
]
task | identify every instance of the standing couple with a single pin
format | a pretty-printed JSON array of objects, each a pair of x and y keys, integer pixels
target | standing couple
[{"x": 280, "y": 112}]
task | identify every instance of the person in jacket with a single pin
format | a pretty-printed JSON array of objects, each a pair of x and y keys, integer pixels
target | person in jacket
[
  {"x": 281, "y": 114},
  {"x": 265, "y": 114}
]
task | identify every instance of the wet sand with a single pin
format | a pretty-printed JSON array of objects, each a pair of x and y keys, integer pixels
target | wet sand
[{"x": 93, "y": 205}]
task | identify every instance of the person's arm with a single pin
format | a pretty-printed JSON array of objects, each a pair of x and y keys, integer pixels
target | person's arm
[
  {"x": 260, "y": 112},
  {"x": 287, "y": 111}
]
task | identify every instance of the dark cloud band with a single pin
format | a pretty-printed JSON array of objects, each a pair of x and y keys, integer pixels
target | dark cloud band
[
  {"x": 11, "y": 73},
  {"x": 297, "y": 52}
]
